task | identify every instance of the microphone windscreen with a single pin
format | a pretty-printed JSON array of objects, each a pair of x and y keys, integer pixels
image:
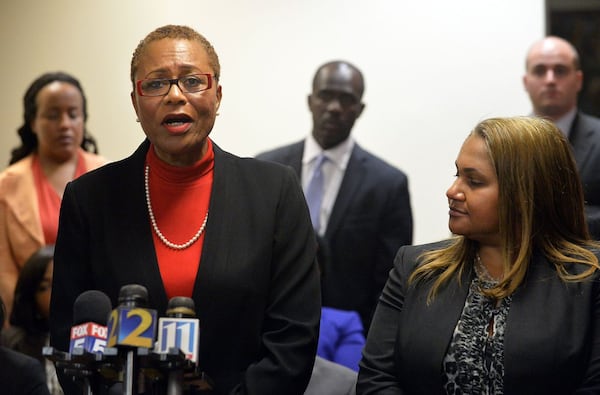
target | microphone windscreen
[
  {"x": 181, "y": 306},
  {"x": 91, "y": 306},
  {"x": 133, "y": 294}
]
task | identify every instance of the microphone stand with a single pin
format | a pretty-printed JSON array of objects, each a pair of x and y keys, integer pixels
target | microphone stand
[
  {"x": 130, "y": 378},
  {"x": 89, "y": 370}
]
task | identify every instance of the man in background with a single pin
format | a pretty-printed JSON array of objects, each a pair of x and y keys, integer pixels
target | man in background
[
  {"x": 553, "y": 79},
  {"x": 360, "y": 205}
]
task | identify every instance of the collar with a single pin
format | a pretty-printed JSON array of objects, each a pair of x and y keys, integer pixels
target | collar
[
  {"x": 178, "y": 174},
  {"x": 339, "y": 155},
  {"x": 565, "y": 122}
]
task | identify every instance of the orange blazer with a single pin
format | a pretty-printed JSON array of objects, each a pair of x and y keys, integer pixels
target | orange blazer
[{"x": 20, "y": 228}]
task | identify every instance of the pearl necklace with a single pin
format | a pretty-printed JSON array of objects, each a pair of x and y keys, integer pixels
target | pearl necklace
[{"x": 155, "y": 225}]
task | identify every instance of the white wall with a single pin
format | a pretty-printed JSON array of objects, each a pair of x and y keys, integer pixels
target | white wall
[{"x": 433, "y": 69}]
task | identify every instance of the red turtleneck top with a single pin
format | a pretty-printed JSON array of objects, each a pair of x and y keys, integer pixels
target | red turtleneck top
[{"x": 180, "y": 198}]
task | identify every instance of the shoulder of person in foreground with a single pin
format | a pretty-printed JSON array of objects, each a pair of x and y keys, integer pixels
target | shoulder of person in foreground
[
  {"x": 261, "y": 168},
  {"x": 21, "y": 374},
  {"x": 377, "y": 370},
  {"x": 406, "y": 260},
  {"x": 409, "y": 255},
  {"x": 330, "y": 378},
  {"x": 103, "y": 173}
]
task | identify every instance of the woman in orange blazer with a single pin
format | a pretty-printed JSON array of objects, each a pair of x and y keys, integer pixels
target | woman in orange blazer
[{"x": 53, "y": 151}]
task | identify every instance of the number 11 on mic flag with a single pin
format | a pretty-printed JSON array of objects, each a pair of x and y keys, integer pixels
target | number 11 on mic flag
[{"x": 182, "y": 333}]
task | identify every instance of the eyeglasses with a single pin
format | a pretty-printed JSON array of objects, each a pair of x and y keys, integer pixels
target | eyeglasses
[
  {"x": 345, "y": 99},
  {"x": 161, "y": 86}
]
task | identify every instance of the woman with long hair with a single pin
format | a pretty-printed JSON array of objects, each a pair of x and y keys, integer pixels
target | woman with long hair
[
  {"x": 29, "y": 327},
  {"x": 510, "y": 303}
]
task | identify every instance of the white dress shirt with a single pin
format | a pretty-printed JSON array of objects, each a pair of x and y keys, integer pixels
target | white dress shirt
[
  {"x": 564, "y": 123},
  {"x": 333, "y": 172}
]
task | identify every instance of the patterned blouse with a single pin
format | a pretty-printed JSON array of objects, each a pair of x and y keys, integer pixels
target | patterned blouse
[{"x": 474, "y": 362}]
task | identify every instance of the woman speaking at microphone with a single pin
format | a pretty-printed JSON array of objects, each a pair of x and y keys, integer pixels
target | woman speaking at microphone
[{"x": 182, "y": 217}]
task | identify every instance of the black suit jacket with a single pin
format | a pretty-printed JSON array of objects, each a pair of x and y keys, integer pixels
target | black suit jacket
[
  {"x": 551, "y": 339},
  {"x": 585, "y": 140},
  {"x": 257, "y": 290},
  {"x": 21, "y": 374},
  {"x": 370, "y": 220}
]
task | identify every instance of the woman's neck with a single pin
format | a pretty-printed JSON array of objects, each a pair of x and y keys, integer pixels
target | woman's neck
[
  {"x": 59, "y": 173},
  {"x": 491, "y": 259}
]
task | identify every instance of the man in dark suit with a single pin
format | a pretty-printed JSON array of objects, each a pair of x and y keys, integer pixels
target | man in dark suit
[
  {"x": 553, "y": 78},
  {"x": 365, "y": 213}
]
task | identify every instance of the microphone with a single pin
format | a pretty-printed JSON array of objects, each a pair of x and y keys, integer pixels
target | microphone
[
  {"x": 85, "y": 362},
  {"x": 131, "y": 325},
  {"x": 90, "y": 313},
  {"x": 179, "y": 328}
]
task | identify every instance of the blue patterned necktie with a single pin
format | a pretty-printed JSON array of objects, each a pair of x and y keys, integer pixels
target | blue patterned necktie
[{"x": 314, "y": 192}]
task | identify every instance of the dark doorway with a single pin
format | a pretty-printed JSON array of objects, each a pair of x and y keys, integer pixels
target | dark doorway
[{"x": 578, "y": 21}]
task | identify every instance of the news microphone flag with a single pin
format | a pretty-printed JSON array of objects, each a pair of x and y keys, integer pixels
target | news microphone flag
[
  {"x": 90, "y": 311},
  {"x": 89, "y": 336},
  {"x": 131, "y": 324},
  {"x": 179, "y": 329}
]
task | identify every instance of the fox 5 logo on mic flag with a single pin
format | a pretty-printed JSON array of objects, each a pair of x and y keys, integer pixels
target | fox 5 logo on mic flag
[
  {"x": 182, "y": 333},
  {"x": 89, "y": 336}
]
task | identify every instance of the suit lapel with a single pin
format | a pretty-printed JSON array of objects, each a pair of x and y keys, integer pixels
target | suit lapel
[
  {"x": 23, "y": 198},
  {"x": 580, "y": 140},
  {"x": 427, "y": 330},
  {"x": 353, "y": 178},
  {"x": 293, "y": 157},
  {"x": 214, "y": 251},
  {"x": 296, "y": 159},
  {"x": 449, "y": 302}
]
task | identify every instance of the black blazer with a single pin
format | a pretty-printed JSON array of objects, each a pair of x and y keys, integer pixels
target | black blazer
[
  {"x": 551, "y": 340},
  {"x": 257, "y": 289},
  {"x": 21, "y": 374},
  {"x": 370, "y": 220},
  {"x": 585, "y": 140}
]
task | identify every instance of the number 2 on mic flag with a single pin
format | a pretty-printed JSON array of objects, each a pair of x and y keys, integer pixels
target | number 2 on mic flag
[{"x": 133, "y": 327}]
